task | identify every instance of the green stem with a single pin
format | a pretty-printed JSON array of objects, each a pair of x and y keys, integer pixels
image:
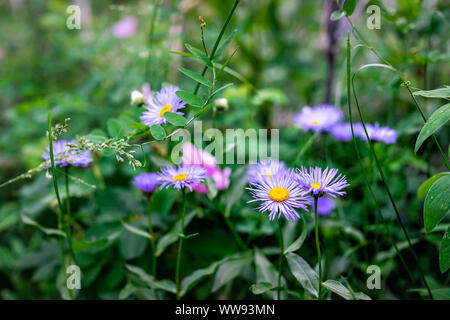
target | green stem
[
  {"x": 150, "y": 231},
  {"x": 150, "y": 34},
  {"x": 55, "y": 186},
  {"x": 305, "y": 147},
  {"x": 180, "y": 245},
  {"x": 69, "y": 218},
  {"x": 233, "y": 230},
  {"x": 216, "y": 44},
  {"x": 366, "y": 180},
  {"x": 319, "y": 257},
  {"x": 280, "y": 263}
]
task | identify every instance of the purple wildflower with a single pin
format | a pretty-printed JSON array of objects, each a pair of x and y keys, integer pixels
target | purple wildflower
[
  {"x": 125, "y": 28},
  {"x": 325, "y": 206},
  {"x": 343, "y": 131},
  {"x": 164, "y": 101},
  {"x": 320, "y": 182},
  {"x": 318, "y": 118},
  {"x": 64, "y": 156},
  {"x": 263, "y": 169},
  {"x": 377, "y": 133},
  {"x": 280, "y": 195},
  {"x": 146, "y": 182},
  {"x": 181, "y": 177}
]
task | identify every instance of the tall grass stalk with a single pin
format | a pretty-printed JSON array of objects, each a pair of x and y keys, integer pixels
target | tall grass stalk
[
  {"x": 350, "y": 81},
  {"x": 152, "y": 234},
  {"x": 319, "y": 256},
  {"x": 280, "y": 263},
  {"x": 58, "y": 199}
]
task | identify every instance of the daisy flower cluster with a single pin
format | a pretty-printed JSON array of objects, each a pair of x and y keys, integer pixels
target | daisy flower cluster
[
  {"x": 281, "y": 190},
  {"x": 329, "y": 118}
]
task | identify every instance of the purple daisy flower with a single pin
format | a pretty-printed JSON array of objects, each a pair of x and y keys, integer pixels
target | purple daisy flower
[
  {"x": 181, "y": 177},
  {"x": 64, "y": 156},
  {"x": 318, "y": 118},
  {"x": 146, "y": 182},
  {"x": 343, "y": 131},
  {"x": 377, "y": 133},
  {"x": 163, "y": 101},
  {"x": 280, "y": 195},
  {"x": 263, "y": 169},
  {"x": 320, "y": 182},
  {"x": 325, "y": 206}
]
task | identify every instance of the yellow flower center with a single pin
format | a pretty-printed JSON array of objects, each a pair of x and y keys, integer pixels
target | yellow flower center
[
  {"x": 270, "y": 175},
  {"x": 180, "y": 177},
  {"x": 166, "y": 108},
  {"x": 315, "y": 185},
  {"x": 315, "y": 123},
  {"x": 279, "y": 194}
]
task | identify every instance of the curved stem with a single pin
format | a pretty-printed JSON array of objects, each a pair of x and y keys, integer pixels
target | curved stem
[
  {"x": 150, "y": 231},
  {"x": 280, "y": 264},
  {"x": 180, "y": 245},
  {"x": 319, "y": 257},
  {"x": 233, "y": 230},
  {"x": 60, "y": 210}
]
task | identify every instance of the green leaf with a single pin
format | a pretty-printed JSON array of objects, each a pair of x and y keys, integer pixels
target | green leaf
[
  {"x": 199, "y": 54},
  {"x": 437, "y": 120},
  {"x": 135, "y": 230},
  {"x": 224, "y": 45},
  {"x": 82, "y": 245},
  {"x": 341, "y": 290},
  {"x": 238, "y": 183},
  {"x": 294, "y": 246},
  {"x": 442, "y": 93},
  {"x": 228, "y": 271},
  {"x": 131, "y": 246},
  {"x": 261, "y": 288},
  {"x": 138, "y": 126},
  {"x": 336, "y": 15},
  {"x": 444, "y": 252},
  {"x": 349, "y": 6},
  {"x": 195, "y": 76},
  {"x": 165, "y": 284},
  {"x": 265, "y": 271},
  {"x": 437, "y": 203},
  {"x": 304, "y": 274},
  {"x": 190, "y": 281},
  {"x": 114, "y": 127},
  {"x": 190, "y": 98},
  {"x": 212, "y": 188},
  {"x": 157, "y": 132},
  {"x": 424, "y": 187},
  {"x": 175, "y": 119},
  {"x": 47, "y": 231},
  {"x": 186, "y": 54}
]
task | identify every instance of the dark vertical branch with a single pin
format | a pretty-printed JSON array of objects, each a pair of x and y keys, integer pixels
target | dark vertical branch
[{"x": 331, "y": 28}]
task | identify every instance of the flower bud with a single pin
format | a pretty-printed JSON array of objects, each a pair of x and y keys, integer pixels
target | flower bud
[
  {"x": 221, "y": 104},
  {"x": 137, "y": 98}
]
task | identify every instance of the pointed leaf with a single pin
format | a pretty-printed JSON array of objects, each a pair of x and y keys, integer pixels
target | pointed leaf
[
  {"x": 437, "y": 203},
  {"x": 442, "y": 93},
  {"x": 197, "y": 77},
  {"x": 261, "y": 288},
  {"x": 304, "y": 274},
  {"x": 228, "y": 271},
  {"x": 437, "y": 120},
  {"x": 199, "y": 54},
  {"x": 165, "y": 284},
  {"x": 47, "y": 231},
  {"x": 297, "y": 243},
  {"x": 224, "y": 45},
  {"x": 135, "y": 230},
  {"x": 349, "y": 6},
  {"x": 341, "y": 290},
  {"x": 175, "y": 119},
  {"x": 190, "y": 98},
  {"x": 424, "y": 187},
  {"x": 444, "y": 252}
]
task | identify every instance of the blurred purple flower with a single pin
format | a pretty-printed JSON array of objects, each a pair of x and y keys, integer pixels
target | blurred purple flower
[
  {"x": 64, "y": 156},
  {"x": 325, "y": 206},
  {"x": 318, "y": 118},
  {"x": 146, "y": 182},
  {"x": 264, "y": 169},
  {"x": 343, "y": 131},
  {"x": 125, "y": 28},
  {"x": 377, "y": 133}
]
